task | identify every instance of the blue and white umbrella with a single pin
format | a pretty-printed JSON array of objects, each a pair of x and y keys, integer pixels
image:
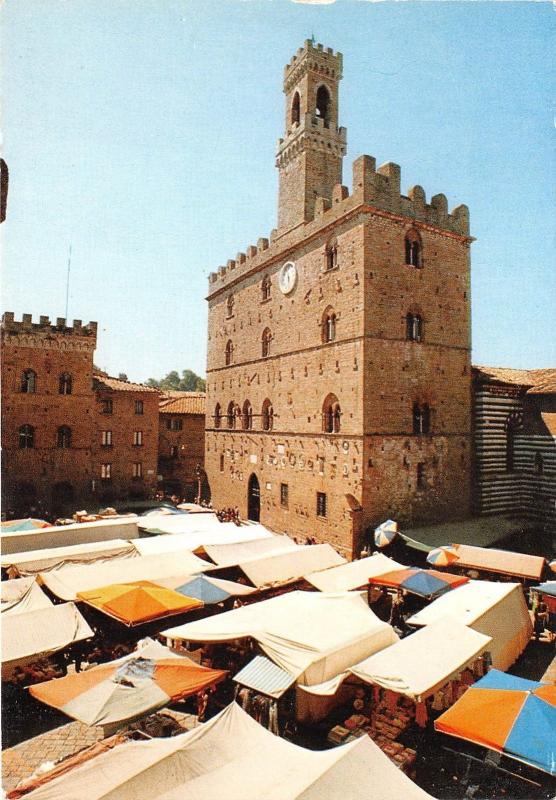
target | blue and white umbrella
[{"x": 386, "y": 533}]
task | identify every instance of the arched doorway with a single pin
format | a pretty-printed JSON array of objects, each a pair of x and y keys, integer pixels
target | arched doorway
[{"x": 253, "y": 499}]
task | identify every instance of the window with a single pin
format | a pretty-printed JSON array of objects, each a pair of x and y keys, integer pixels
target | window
[
  {"x": 107, "y": 406},
  {"x": 265, "y": 288},
  {"x": 221, "y": 462},
  {"x": 29, "y": 382},
  {"x": 106, "y": 438},
  {"x": 26, "y": 437},
  {"x": 331, "y": 256},
  {"x": 295, "y": 108},
  {"x": 229, "y": 352},
  {"x": 267, "y": 416},
  {"x": 231, "y": 417},
  {"x": 265, "y": 341},
  {"x": 230, "y": 306},
  {"x": 247, "y": 416},
  {"x": 173, "y": 451},
  {"x": 539, "y": 463},
  {"x": 63, "y": 438},
  {"x": 421, "y": 418},
  {"x": 331, "y": 414},
  {"x": 137, "y": 470},
  {"x": 217, "y": 415},
  {"x": 328, "y": 326},
  {"x": 413, "y": 255},
  {"x": 137, "y": 438},
  {"x": 106, "y": 472},
  {"x": 65, "y": 383},
  {"x": 321, "y": 504},
  {"x": 323, "y": 104},
  {"x": 414, "y": 328},
  {"x": 284, "y": 495},
  {"x": 177, "y": 424},
  {"x": 421, "y": 476},
  {"x": 139, "y": 407},
  {"x": 513, "y": 423}
]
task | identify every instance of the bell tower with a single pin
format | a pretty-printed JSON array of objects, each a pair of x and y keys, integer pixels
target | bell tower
[{"x": 310, "y": 155}]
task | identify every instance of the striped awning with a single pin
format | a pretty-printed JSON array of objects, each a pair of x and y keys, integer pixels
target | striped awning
[{"x": 265, "y": 676}]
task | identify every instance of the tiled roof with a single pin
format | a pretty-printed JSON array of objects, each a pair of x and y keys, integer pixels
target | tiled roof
[
  {"x": 185, "y": 403},
  {"x": 540, "y": 381},
  {"x": 116, "y": 385}
]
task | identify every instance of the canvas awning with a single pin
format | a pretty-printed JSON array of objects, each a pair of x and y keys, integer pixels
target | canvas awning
[
  {"x": 67, "y": 581},
  {"x": 281, "y": 568},
  {"x": 124, "y": 527},
  {"x": 234, "y": 758},
  {"x": 196, "y": 530},
  {"x": 138, "y": 602},
  {"x": 352, "y": 575},
  {"x": 230, "y": 555},
  {"x": 263, "y": 675},
  {"x": 34, "y": 634},
  {"x": 32, "y": 562},
  {"x": 427, "y": 583},
  {"x": 22, "y": 594},
  {"x": 500, "y": 561}
]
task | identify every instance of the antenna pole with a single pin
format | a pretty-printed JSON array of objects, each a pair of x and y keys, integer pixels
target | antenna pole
[{"x": 68, "y": 281}]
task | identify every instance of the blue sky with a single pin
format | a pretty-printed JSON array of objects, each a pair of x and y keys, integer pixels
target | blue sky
[{"x": 143, "y": 132}]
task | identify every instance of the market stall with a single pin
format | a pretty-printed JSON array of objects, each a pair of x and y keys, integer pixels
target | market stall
[{"x": 21, "y": 595}]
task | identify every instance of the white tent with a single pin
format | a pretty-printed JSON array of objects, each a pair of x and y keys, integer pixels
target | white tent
[
  {"x": 498, "y": 610},
  {"x": 217, "y": 534},
  {"x": 22, "y": 594},
  {"x": 34, "y": 634},
  {"x": 66, "y": 582},
  {"x": 285, "y": 567},
  {"x": 229, "y": 555},
  {"x": 203, "y": 527},
  {"x": 34, "y": 561},
  {"x": 101, "y": 530},
  {"x": 235, "y": 758},
  {"x": 350, "y": 576}
]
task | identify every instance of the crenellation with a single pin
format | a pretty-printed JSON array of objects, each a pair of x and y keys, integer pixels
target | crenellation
[
  {"x": 230, "y": 264},
  {"x": 251, "y": 251},
  {"x": 26, "y": 325},
  {"x": 339, "y": 193},
  {"x": 262, "y": 244}
]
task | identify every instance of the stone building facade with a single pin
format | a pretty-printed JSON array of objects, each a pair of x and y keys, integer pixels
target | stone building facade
[
  {"x": 515, "y": 443},
  {"x": 181, "y": 443},
  {"x": 338, "y": 370}
]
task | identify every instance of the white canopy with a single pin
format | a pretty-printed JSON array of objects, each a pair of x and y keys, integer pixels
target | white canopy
[
  {"x": 22, "y": 594},
  {"x": 291, "y": 565},
  {"x": 234, "y": 758},
  {"x": 66, "y": 582},
  {"x": 197, "y": 524},
  {"x": 312, "y": 636},
  {"x": 498, "y": 610},
  {"x": 352, "y": 575},
  {"x": 101, "y": 530},
  {"x": 34, "y": 634},
  {"x": 33, "y": 561},
  {"x": 218, "y": 533},
  {"x": 230, "y": 555}
]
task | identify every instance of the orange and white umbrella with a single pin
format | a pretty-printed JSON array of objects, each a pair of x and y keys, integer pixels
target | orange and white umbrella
[
  {"x": 385, "y": 533},
  {"x": 442, "y": 556},
  {"x": 137, "y": 602}
]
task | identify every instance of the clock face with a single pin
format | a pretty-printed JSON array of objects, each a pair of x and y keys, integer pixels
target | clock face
[{"x": 288, "y": 277}]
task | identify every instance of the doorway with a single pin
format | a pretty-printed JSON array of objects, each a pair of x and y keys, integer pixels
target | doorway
[{"x": 253, "y": 499}]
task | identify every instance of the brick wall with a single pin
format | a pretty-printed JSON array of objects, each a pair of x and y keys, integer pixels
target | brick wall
[{"x": 180, "y": 450}]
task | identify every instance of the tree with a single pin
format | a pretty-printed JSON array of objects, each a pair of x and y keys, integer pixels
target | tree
[{"x": 189, "y": 382}]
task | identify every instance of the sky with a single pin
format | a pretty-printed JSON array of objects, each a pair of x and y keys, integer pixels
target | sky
[{"x": 142, "y": 133}]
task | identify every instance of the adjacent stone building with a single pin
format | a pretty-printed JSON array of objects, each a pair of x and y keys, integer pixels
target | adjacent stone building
[
  {"x": 338, "y": 371},
  {"x": 515, "y": 443},
  {"x": 181, "y": 444}
]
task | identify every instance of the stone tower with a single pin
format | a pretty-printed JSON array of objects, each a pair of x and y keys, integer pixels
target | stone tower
[{"x": 310, "y": 155}]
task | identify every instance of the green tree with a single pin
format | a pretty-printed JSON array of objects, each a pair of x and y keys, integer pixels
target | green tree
[{"x": 189, "y": 382}]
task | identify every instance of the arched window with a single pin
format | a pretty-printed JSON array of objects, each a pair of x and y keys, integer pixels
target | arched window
[
  {"x": 331, "y": 255},
  {"x": 296, "y": 114},
  {"x": 539, "y": 463},
  {"x": 230, "y": 306},
  {"x": 26, "y": 437},
  {"x": 267, "y": 415},
  {"x": 328, "y": 325},
  {"x": 265, "y": 342},
  {"x": 217, "y": 415},
  {"x": 413, "y": 248},
  {"x": 247, "y": 416},
  {"x": 512, "y": 425},
  {"x": 323, "y": 104},
  {"x": 229, "y": 352},
  {"x": 265, "y": 288},
  {"x": 65, "y": 383},
  {"x": 63, "y": 438},
  {"x": 414, "y": 328},
  {"x": 421, "y": 418},
  {"x": 331, "y": 414},
  {"x": 29, "y": 382},
  {"x": 231, "y": 415}
]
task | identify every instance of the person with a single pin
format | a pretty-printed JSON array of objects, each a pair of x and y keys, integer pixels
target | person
[
  {"x": 540, "y": 620},
  {"x": 202, "y": 703},
  {"x": 396, "y": 615}
]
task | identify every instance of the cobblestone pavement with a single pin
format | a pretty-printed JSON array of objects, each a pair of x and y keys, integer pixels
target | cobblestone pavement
[{"x": 19, "y": 762}]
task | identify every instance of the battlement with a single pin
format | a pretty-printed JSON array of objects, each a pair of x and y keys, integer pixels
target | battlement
[
  {"x": 44, "y": 325},
  {"x": 378, "y": 188},
  {"x": 314, "y": 57},
  {"x": 315, "y": 132}
]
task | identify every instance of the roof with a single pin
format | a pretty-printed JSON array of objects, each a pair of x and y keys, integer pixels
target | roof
[
  {"x": 539, "y": 381},
  {"x": 33, "y": 561},
  {"x": 116, "y": 385},
  {"x": 467, "y": 603},
  {"x": 186, "y": 403},
  {"x": 290, "y": 565},
  {"x": 265, "y": 676},
  {"x": 504, "y": 562},
  {"x": 351, "y": 575}
]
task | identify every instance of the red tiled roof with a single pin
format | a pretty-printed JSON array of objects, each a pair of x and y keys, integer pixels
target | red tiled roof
[
  {"x": 185, "y": 403},
  {"x": 540, "y": 381},
  {"x": 116, "y": 385}
]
